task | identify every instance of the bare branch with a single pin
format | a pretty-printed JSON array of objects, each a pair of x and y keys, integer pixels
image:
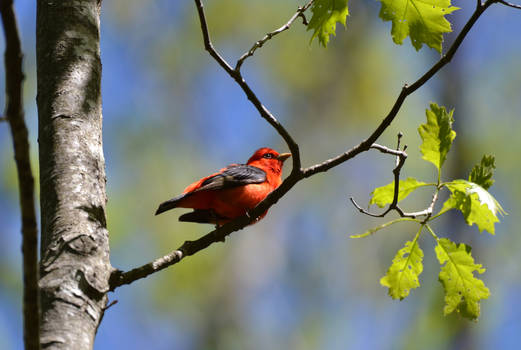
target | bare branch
[
  {"x": 119, "y": 278},
  {"x": 509, "y": 4},
  {"x": 426, "y": 212},
  {"x": 401, "y": 156},
  {"x": 236, "y": 75},
  {"x": 258, "y": 44},
  {"x": 363, "y": 211},
  {"x": 304, "y": 19},
  {"x": 400, "y": 135},
  {"x": 430, "y": 209},
  {"x": 3, "y": 119},
  {"x": 15, "y": 116}
]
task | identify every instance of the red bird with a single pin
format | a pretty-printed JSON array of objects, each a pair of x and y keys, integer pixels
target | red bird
[{"x": 230, "y": 193}]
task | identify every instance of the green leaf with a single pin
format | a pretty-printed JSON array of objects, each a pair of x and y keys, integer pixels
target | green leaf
[
  {"x": 422, "y": 20},
  {"x": 437, "y": 135},
  {"x": 326, "y": 14},
  {"x": 463, "y": 291},
  {"x": 482, "y": 173},
  {"x": 378, "y": 228},
  {"x": 381, "y": 196},
  {"x": 403, "y": 274},
  {"x": 475, "y": 203}
]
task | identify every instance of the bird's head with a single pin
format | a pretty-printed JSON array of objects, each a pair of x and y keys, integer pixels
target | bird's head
[{"x": 267, "y": 158}]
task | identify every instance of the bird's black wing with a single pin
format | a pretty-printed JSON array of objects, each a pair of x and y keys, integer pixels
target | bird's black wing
[{"x": 233, "y": 176}]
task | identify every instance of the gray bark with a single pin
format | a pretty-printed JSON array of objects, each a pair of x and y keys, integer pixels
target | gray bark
[{"x": 75, "y": 265}]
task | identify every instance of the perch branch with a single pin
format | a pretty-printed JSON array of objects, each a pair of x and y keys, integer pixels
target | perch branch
[{"x": 15, "y": 116}]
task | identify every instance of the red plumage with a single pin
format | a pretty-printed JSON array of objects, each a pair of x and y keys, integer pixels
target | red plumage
[{"x": 231, "y": 192}]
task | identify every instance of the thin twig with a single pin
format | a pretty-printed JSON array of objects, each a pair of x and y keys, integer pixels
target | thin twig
[
  {"x": 509, "y": 4},
  {"x": 119, "y": 278},
  {"x": 258, "y": 44},
  {"x": 396, "y": 152},
  {"x": 400, "y": 135},
  {"x": 430, "y": 209},
  {"x": 236, "y": 75},
  {"x": 304, "y": 19},
  {"x": 111, "y": 304},
  {"x": 363, "y": 211},
  {"x": 3, "y": 119},
  {"x": 15, "y": 116},
  {"x": 401, "y": 157}
]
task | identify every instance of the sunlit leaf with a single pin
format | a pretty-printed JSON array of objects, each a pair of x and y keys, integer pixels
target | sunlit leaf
[
  {"x": 475, "y": 203},
  {"x": 437, "y": 135},
  {"x": 381, "y": 196},
  {"x": 402, "y": 275},
  {"x": 326, "y": 14},
  {"x": 482, "y": 173},
  {"x": 463, "y": 291},
  {"x": 423, "y": 20}
]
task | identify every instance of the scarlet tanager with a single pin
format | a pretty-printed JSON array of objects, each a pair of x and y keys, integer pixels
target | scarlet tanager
[{"x": 231, "y": 192}]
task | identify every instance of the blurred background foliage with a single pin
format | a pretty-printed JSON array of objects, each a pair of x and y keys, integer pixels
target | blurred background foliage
[{"x": 294, "y": 280}]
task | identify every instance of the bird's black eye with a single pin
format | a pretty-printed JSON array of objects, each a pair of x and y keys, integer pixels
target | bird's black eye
[{"x": 268, "y": 155}]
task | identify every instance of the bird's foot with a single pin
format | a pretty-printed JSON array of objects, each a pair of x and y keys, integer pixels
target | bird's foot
[
  {"x": 215, "y": 218},
  {"x": 249, "y": 214}
]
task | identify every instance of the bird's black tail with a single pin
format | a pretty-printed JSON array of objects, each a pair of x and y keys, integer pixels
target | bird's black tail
[{"x": 170, "y": 204}]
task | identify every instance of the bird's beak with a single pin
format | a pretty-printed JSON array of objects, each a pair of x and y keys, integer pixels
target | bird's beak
[{"x": 283, "y": 156}]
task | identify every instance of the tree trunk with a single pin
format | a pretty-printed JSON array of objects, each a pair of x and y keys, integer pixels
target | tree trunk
[{"x": 74, "y": 265}]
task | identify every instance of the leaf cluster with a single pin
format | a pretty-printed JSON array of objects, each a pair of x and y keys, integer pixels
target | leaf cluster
[
  {"x": 422, "y": 20},
  {"x": 463, "y": 290}
]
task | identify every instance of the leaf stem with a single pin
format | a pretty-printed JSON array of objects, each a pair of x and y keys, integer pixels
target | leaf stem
[
  {"x": 433, "y": 234},
  {"x": 378, "y": 228}
]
